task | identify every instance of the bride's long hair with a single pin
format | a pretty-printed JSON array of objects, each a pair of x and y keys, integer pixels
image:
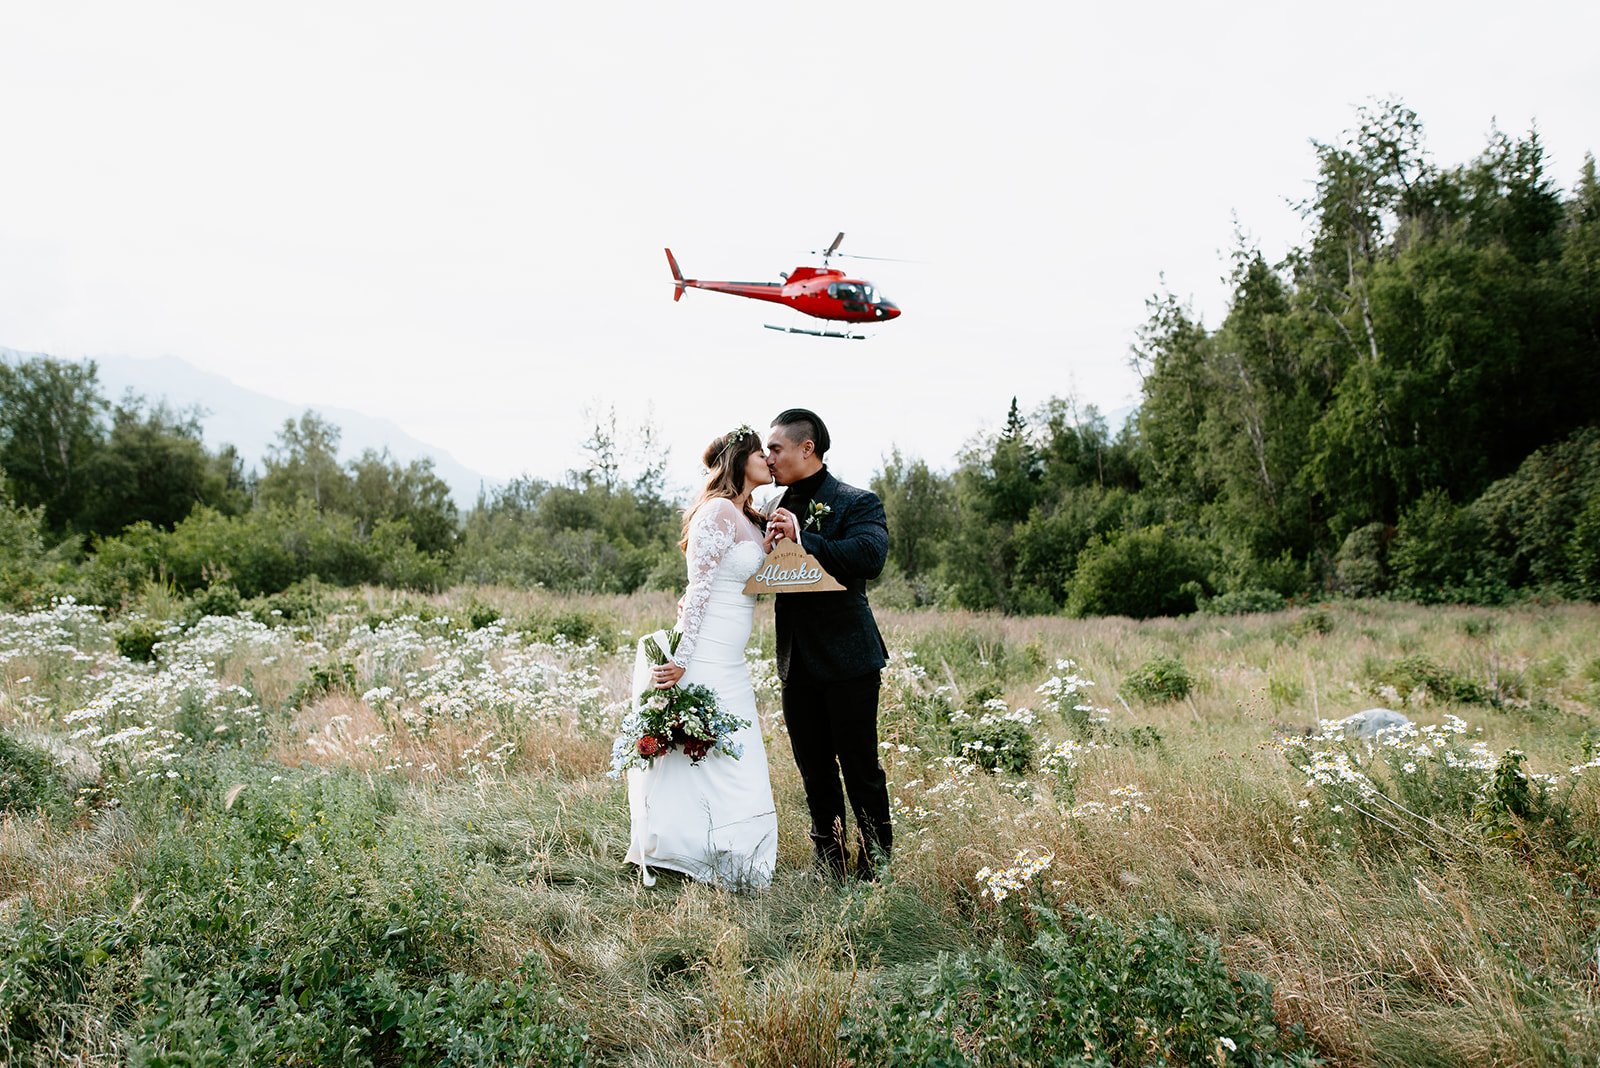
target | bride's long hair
[{"x": 725, "y": 460}]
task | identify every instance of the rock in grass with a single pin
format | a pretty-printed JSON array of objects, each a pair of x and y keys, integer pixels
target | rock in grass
[{"x": 1367, "y": 723}]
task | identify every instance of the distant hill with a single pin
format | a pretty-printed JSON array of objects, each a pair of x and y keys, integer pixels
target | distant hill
[{"x": 249, "y": 421}]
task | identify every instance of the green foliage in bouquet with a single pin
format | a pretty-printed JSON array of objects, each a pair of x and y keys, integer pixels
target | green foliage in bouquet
[{"x": 687, "y": 718}]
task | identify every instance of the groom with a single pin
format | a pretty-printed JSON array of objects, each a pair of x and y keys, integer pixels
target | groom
[{"x": 829, "y": 650}]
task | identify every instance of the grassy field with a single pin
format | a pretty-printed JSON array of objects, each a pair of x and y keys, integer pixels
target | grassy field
[{"x": 357, "y": 827}]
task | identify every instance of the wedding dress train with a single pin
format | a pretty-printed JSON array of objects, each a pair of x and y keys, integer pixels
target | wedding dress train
[{"x": 714, "y": 820}]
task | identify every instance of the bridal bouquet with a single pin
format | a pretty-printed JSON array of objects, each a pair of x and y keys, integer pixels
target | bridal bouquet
[{"x": 689, "y": 718}]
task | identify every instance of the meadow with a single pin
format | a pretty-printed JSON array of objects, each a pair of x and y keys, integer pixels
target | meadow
[{"x": 346, "y": 827}]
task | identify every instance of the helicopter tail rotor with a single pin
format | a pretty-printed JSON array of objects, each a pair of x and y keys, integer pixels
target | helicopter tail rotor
[{"x": 678, "y": 281}]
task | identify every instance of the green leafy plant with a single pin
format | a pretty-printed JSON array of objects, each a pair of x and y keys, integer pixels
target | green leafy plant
[
  {"x": 1157, "y": 680},
  {"x": 137, "y": 640},
  {"x": 993, "y": 741},
  {"x": 323, "y": 679},
  {"x": 1083, "y": 991},
  {"x": 1140, "y": 573},
  {"x": 29, "y": 780},
  {"x": 218, "y": 599},
  {"x": 1242, "y": 602},
  {"x": 1410, "y": 674}
]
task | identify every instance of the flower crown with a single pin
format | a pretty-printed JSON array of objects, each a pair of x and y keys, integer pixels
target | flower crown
[{"x": 736, "y": 435}]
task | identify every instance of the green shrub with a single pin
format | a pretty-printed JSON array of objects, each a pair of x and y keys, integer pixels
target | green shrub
[
  {"x": 667, "y": 573},
  {"x": 1083, "y": 992},
  {"x": 1312, "y": 621},
  {"x": 574, "y": 626},
  {"x": 1435, "y": 550},
  {"x": 382, "y": 1017},
  {"x": 1240, "y": 570},
  {"x": 288, "y": 922},
  {"x": 1531, "y": 519},
  {"x": 29, "y": 779},
  {"x": 1406, "y": 786},
  {"x": 301, "y": 602},
  {"x": 1411, "y": 673},
  {"x": 393, "y": 559},
  {"x": 137, "y": 638},
  {"x": 569, "y": 560},
  {"x": 993, "y": 742},
  {"x": 892, "y": 590},
  {"x": 218, "y": 599},
  {"x": 1584, "y": 550},
  {"x": 1157, "y": 680},
  {"x": 323, "y": 679},
  {"x": 263, "y": 551},
  {"x": 1361, "y": 567},
  {"x": 118, "y": 568},
  {"x": 481, "y": 615},
  {"x": 1140, "y": 573},
  {"x": 1243, "y": 602},
  {"x": 28, "y": 571}
]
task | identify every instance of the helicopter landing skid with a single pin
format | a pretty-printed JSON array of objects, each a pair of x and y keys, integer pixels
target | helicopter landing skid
[{"x": 814, "y": 333}]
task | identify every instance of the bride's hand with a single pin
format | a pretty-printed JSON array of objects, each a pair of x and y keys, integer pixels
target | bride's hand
[
  {"x": 783, "y": 524},
  {"x": 666, "y": 676}
]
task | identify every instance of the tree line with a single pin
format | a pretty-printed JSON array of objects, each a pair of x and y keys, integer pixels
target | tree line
[
  {"x": 1409, "y": 404},
  {"x": 1406, "y": 406},
  {"x": 99, "y": 500}
]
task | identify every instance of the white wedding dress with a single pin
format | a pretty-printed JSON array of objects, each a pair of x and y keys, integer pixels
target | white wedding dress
[{"x": 714, "y": 820}]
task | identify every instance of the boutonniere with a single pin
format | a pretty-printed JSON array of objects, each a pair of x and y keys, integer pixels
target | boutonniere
[{"x": 819, "y": 512}]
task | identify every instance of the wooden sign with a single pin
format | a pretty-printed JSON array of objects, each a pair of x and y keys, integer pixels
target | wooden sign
[{"x": 790, "y": 569}]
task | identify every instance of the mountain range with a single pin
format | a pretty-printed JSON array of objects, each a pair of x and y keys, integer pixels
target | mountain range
[{"x": 250, "y": 421}]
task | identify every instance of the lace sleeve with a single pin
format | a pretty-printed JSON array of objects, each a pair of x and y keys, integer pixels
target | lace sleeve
[{"x": 711, "y": 535}]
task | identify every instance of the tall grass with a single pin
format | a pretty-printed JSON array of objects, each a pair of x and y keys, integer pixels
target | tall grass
[{"x": 381, "y": 813}]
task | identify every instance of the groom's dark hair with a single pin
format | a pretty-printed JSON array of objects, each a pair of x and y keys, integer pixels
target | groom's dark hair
[{"x": 801, "y": 424}]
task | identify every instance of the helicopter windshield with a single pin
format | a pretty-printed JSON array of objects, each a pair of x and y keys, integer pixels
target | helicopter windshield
[{"x": 857, "y": 291}]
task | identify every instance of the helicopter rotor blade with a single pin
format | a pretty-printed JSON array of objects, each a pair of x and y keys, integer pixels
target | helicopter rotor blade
[
  {"x": 881, "y": 259},
  {"x": 835, "y": 246}
]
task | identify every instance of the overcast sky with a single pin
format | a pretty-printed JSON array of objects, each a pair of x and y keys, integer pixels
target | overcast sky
[{"x": 453, "y": 215}]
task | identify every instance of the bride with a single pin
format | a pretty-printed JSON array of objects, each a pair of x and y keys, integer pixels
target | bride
[{"x": 714, "y": 820}]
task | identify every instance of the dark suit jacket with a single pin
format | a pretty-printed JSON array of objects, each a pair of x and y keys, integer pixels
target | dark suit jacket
[{"x": 832, "y": 636}]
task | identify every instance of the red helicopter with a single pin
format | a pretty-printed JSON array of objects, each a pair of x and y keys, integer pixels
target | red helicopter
[{"x": 822, "y": 293}]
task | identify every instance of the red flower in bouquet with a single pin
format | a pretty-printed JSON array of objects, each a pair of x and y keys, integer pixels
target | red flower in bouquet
[{"x": 685, "y": 717}]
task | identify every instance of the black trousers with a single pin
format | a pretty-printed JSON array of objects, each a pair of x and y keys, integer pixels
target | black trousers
[{"x": 833, "y": 729}]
